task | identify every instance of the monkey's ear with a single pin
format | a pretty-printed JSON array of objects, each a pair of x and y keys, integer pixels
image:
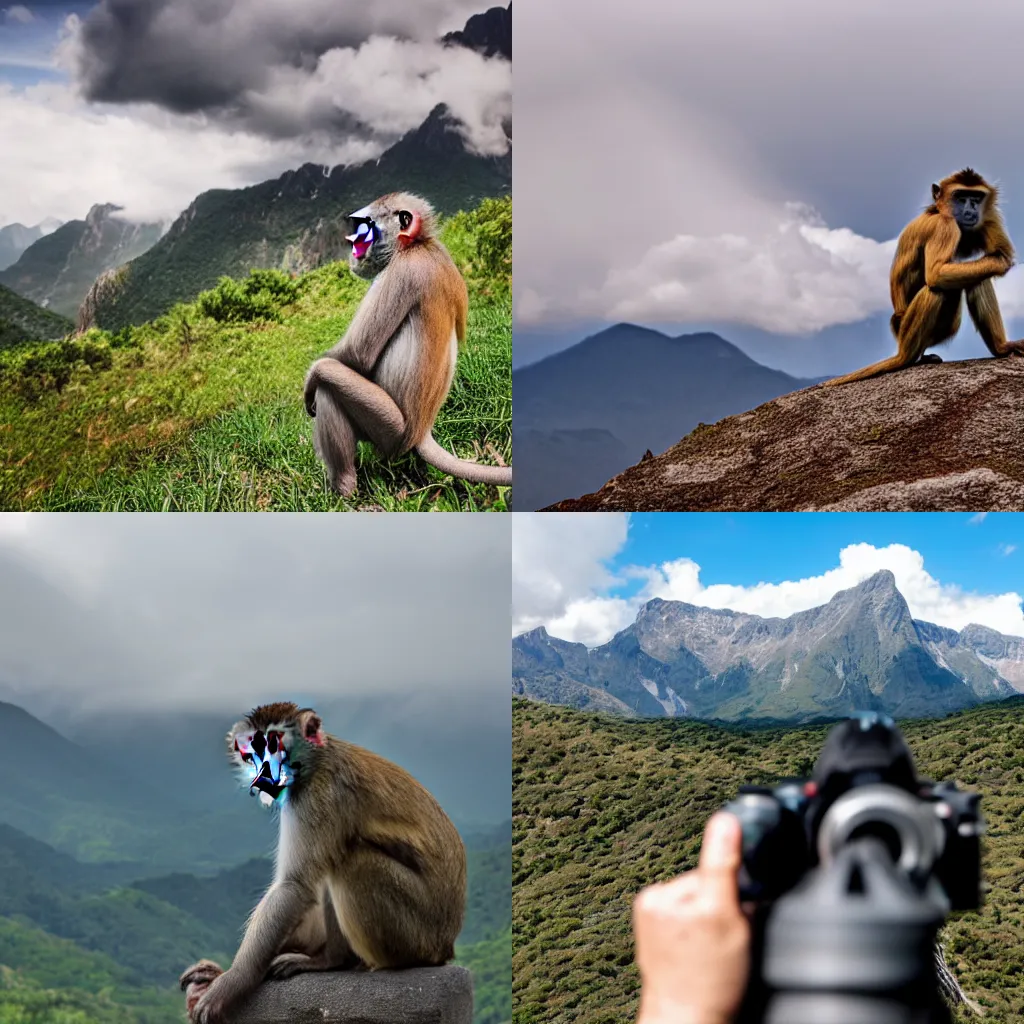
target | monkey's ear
[
  {"x": 312, "y": 730},
  {"x": 410, "y": 223},
  {"x": 936, "y": 191}
]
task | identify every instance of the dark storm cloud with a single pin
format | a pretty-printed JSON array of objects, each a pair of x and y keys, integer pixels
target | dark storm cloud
[
  {"x": 283, "y": 69},
  {"x": 137, "y": 612}
]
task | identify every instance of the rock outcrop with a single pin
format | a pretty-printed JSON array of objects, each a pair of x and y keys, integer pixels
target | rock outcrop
[
  {"x": 425, "y": 995},
  {"x": 939, "y": 437}
]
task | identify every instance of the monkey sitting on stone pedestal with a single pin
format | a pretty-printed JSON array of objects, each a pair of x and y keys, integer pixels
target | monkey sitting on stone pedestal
[
  {"x": 370, "y": 872},
  {"x": 388, "y": 376}
]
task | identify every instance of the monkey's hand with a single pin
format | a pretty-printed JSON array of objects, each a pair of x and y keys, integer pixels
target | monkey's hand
[
  {"x": 224, "y": 991},
  {"x": 309, "y": 390},
  {"x": 196, "y": 980}
]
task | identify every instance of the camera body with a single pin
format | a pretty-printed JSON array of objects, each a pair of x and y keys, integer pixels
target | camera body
[{"x": 863, "y": 785}]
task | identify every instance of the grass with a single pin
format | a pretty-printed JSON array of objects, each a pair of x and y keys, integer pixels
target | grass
[
  {"x": 603, "y": 806},
  {"x": 188, "y": 413}
]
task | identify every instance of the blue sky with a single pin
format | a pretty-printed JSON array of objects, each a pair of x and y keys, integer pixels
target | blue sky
[
  {"x": 28, "y": 35},
  {"x": 584, "y": 577},
  {"x": 750, "y": 547}
]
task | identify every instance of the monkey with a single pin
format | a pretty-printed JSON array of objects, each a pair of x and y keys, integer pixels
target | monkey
[
  {"x": 388, "y": 376},
  {"x": 370, "y": 872},
  {"x": 932, "y": 270}
]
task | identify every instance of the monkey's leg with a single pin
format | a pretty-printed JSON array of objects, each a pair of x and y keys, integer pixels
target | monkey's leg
[
  {"x": 983, "y": 307},
  {"x": 926, "y": 322},
  {"x": 345, "y": 399},
  {"x": 274, "y": 919},
  {"x": 335, "y": 955}
]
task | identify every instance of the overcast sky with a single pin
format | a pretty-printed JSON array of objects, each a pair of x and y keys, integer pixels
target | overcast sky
[
  {"x": 147, "y": 103},
  {"x": 221, "y": 612},
  {"x": 743, "y": 163}
]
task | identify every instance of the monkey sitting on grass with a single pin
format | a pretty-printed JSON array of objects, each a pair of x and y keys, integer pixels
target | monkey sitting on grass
[
  {"x": 388, "y": 376},
  {"x": 370, "y": 872}
]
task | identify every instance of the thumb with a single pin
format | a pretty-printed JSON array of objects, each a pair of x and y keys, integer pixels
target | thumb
[{"x": 721, "y": 853}]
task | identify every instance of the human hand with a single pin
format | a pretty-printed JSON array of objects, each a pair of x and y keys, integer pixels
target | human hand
[{"x": 693, "y": 938}]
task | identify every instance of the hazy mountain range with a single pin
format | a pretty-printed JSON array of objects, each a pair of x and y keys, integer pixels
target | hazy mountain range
[
  {"x": 16, "y": 238},
  {"x": 590, "y": 411},
  {"x": 861, "y": 651}
]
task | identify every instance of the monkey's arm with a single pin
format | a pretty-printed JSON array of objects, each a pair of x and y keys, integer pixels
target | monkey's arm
[
  {"x": 273, "y": 920},
  {"x": 393, "y": 295},
  {"x": 941, "y": 273},
  {"x": 998, "y": 244}
]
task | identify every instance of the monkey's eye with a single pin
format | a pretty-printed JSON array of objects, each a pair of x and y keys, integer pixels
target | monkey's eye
[{"x": 404, "y": 219}]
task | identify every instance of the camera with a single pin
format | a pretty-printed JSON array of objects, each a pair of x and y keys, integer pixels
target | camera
[{"x": 852, "y": 872}]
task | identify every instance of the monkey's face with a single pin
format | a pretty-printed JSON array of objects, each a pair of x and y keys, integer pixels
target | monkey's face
[
  {"x": 388, "y": 224},
  {"x": 967, "y": 208},
  {"x": 262, "y": 757}
]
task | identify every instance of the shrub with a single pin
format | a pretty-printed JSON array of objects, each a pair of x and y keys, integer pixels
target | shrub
[{"x": 260, "y": 296}]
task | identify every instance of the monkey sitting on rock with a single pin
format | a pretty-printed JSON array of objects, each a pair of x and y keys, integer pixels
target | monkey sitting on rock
[
  {"x": 388, "y": 376},
  {"x": 370, "y": 872},
  {"x": 933, "y": 270}
]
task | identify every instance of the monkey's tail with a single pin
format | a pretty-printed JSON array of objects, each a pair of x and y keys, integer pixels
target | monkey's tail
[
  {"x": 874, "y": 370},
  {"x": 430, "y": 451}
]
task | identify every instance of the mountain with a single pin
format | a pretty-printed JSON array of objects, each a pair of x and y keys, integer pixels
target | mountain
[
  {"x": 86, "y": 805},
  {"x": 489, "y": 33},
  {"x": 605, "y": 806},
  {"x": 643, "y": 388},
  {"x": 16, "y": 238},
  {"x": 22, "y": 320},
  {"x": 929, "y": 438},
  {"x": 57, "y": 270},
  {"x": 861, "y": 651}
]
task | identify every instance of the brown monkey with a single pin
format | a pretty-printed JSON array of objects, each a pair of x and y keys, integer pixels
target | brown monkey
[
  {"x": 933, "y": 269},
  {"x": 388, "y": 376},
  {"x": 370, "y": 872}
]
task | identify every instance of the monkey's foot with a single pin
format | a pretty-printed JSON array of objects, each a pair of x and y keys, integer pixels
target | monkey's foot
[
  {"x": 930, "y": 357},
  {"x": 287, "y": 965},
  {"x": 345, "y": 483}
]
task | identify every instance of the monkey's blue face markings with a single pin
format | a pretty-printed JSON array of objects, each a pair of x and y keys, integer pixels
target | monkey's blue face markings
[
  {"x": 364, "y": 233},
  {"x": 265, "y": 761}
]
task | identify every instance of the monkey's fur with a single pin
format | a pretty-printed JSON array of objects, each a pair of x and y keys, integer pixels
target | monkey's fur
[
  {"x": 933, "y": 270},
  {"x": 370, "y": 872},
  {"x": 388, "y": 376}
]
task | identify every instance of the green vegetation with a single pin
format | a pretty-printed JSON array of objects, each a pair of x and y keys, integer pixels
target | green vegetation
[
  {"x": 22, "y": 320},
  {"x": 201, "y": 409},
  {"x": 603, "y": 806},
  {"x": 73, "y": 950}
]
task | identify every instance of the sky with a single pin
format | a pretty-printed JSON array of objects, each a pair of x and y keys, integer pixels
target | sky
[
  {"x": 147, "y": 103},
  {"x": 104, "y": 612},
  {"x": 585, "y": 577},
  {"x": 746, "y": 167}
]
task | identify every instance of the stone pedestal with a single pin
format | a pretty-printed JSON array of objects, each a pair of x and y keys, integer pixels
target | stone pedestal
[{"x": 422, "y": 995}]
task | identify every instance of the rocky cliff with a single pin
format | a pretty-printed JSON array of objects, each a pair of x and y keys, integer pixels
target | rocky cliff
[{"x": 933, "y": 438}]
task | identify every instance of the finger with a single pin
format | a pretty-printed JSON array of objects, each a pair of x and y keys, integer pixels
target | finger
[{"x": 721, "y": 853}]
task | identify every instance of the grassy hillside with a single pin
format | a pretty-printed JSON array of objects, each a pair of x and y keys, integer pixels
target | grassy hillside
[
  {"x": 22, "y": 320},
  {"x": 200, "y": 413},
  {"x": 602, "y": 806}
]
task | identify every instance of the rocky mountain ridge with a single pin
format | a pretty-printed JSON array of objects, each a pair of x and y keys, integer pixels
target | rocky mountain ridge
[
  {"x": 57, "y": 270},
  {"x": 931, "y": 438},
  {"x": 861, "y": 651}
]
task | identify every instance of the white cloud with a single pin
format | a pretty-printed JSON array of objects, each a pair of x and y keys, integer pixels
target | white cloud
[
  {"x": 1007, "y": 549},
  {"x": 594, "y": 617},
  {"x": 558, "y": 559},
  {"x": 977, "y": 518},
  {"x": 151, "y": 162},
  {"x": 19, "y": 14}
]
